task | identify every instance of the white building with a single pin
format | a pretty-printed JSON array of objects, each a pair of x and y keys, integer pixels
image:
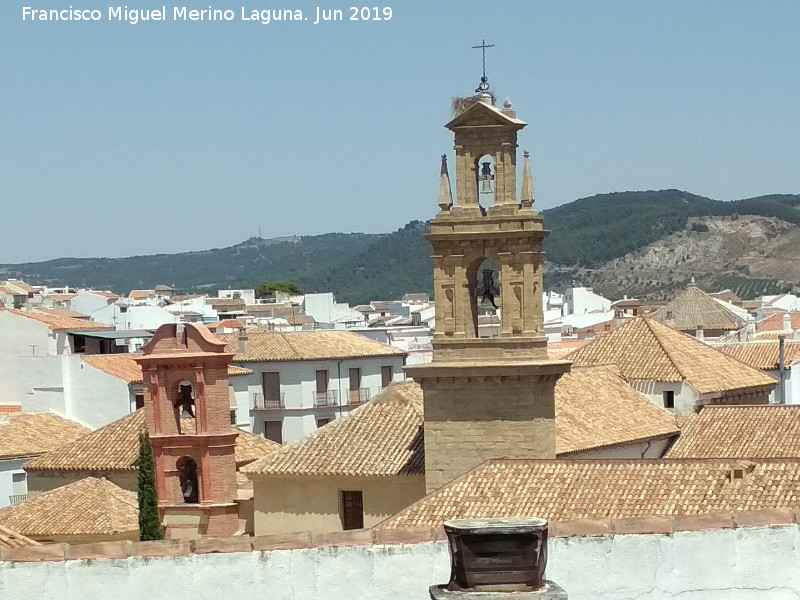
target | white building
[
  {"x": 323, "y": 308},
  {"x": 301, "y": 381},
  {"x": 581, "y": 300}
]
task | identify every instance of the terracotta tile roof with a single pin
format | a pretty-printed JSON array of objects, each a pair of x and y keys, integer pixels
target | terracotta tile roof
[
  {"x": 595, "y": 407},
  {"x": 771, "y": 335},
  {"x": 693, "y": 309},
  {"x": 774, "y": 322},
  {"x": 62, "y": 297},
  {"x": 164, "y": 288},
  {"x": 109, "y": 295},
  {"x": 115, "y": 447},
  {"x": 645, "y": 349},
  {"x": 11, "y": 539},
  {"x": 601, "y": 327},
  {"x": 59, "y": 323},
  {"x": 753, "y": 432},
  {"x": 123, "y": 366},
  {"x": 63, "y": 312},
  {"x": 727, "y": 296},
  {"x": 383, "y": 437},
  {"x": 763, "y": 355},
  {"x": 33, "y": 433},
  {"x": 562, "y": 349},
  {"x": 564, "y": 490},
  {"x": 141, "y": 294},
  {"x": 9, "y": 291},
  {"x": 90, "y": 506},
  {"x": 21, "y": 285},
  {"x": 306, "y": 345},
  {"x": 225, "y": 323}
]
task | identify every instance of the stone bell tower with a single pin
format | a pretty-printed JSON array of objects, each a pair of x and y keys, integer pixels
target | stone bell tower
[
  {"x": 187, "y": 410},
  {"x": 487, "y": 397}
]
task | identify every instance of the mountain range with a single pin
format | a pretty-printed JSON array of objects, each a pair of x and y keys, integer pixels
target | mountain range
[{"x": 647, "y": 244}]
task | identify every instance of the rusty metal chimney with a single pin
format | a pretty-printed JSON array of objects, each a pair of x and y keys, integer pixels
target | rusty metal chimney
[{"x": 497, "y": 559}]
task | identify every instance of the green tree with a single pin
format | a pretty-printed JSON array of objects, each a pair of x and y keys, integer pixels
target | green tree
[
  {"x": 149, "y": 520},
  {"x": 267, "y": 288}
]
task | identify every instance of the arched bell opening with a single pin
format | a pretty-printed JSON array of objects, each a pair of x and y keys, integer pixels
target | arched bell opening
[
  {"x": 483, "y": 276},
  {"x": 485, "y": 170},
  {"x": 187, "y": 474},
  {"x": 185, "y": 408}
]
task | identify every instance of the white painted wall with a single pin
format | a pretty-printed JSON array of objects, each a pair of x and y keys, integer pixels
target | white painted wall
[
  {"x": 581, "y": 300},
  {"x": 88, "y": 303},
  {"x": 325, "y": 309},
  {"x": 686, "y": 397},
  {"x": 298, "y": 384},
  {"x": 7, "y": 469},
  {"x": 93, "y": 397},
  {"x": 730, "y": 564},
  {"x": 135, "y": 317}
]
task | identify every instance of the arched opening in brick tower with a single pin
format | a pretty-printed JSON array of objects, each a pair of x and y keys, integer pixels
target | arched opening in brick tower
[
  {"x": 485, "y": 171},
  {"x": 483, "y": 276},
  {"x": 187, "y": 474},
  {"x": 185, "y": 408}
]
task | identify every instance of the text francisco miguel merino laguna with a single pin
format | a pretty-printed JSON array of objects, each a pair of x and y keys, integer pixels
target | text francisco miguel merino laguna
[{"x": 184, "y": 13}]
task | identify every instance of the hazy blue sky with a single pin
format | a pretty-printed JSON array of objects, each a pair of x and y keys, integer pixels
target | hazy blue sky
[{"x": 119, "y": 139}]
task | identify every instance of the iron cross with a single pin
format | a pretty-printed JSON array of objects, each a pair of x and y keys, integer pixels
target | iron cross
[{"x": 483, "y": 48}]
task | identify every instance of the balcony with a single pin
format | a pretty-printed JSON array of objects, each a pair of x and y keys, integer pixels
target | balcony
[
  {"x": 17, "y": 498},
  {"x": 271, "y": 402},
  {"x": 329, "y": 398},
  {"x": 356, "y": 397}
]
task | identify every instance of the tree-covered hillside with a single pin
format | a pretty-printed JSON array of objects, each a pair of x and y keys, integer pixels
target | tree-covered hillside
[{"x": 360, "y": 267}]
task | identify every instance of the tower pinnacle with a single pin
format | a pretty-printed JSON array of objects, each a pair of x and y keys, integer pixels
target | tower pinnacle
[{"x": 527, "y": 182}]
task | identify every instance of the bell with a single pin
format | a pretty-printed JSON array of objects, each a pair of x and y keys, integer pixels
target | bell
[{"x": 486, "y": 178}]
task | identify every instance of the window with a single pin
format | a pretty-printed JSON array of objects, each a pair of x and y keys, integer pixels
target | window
[
  {"x": 387, "y": 374},
  {"x": 19, "y": 484},
  {"x": 139, "y": 399},
  {"x": 355, "y": 386},
  {"x": 233, "y": 416},
  {"x": 79, "y": 344},
  {"x": 352, "y": 509},
  {"x": 323, "y": 422},
  {"x": 669, "y": 399},
  {"x": 273, "y": 430},
  {"x": 271, "y": 387}
]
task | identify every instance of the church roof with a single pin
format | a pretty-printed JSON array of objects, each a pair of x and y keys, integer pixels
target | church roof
[
  {"x": 383, "y": 437},
  {"x": 645, "y": 349},
  {"x": 270, "y": 346},
  {"x": 564, "y": 490},
  {"x": 753, "y": 432},
  {"x": 480, "y": 113},
  {"x": 693, "y": 309},
  {"x": 89, "y": 506},
  {"x": 595, "y": 408},
  {"x": 115, "y": 447}
]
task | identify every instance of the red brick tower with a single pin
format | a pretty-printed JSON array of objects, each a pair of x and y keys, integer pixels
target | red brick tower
[{"x": 187, "y": 408}]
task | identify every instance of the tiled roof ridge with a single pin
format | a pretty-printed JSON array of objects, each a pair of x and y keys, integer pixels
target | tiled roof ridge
[
  {"x": 619, "y": 461},
  {"x": 738, "y": 406},
  {"x": 115, "y": 498},
  {"x": 649, "y": 323},
  {"x": 647, "y": 438},
  {"x": 287, "y": 542},
  {"x": 34, "y": 464}
]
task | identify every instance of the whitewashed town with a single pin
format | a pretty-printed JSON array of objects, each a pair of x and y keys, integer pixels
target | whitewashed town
[{"x": 449, "y": 442}]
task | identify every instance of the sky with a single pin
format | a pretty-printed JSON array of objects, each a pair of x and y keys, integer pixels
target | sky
[{"x": 167, "y": 136}]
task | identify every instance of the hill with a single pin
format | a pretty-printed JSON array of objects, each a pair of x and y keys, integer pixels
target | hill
[{"x": 608, "y": 241}]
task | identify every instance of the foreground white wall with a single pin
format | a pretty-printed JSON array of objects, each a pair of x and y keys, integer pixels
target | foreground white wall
[{"x": 733, "y": 564}]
